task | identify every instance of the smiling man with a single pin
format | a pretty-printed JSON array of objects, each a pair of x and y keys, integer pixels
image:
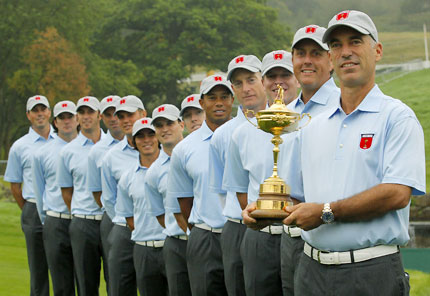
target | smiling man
[
  {"x": 192, "y": 113},
  {"x": 356, "y": 166},
  {"x": 188, "y": 182},
  {"x": 18, "y": 173}
]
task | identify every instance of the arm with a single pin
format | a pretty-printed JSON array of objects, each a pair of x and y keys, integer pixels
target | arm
[
  {"x": 97, "y": 196},
  {"x": 67, "y": 193},
  {"x": 38, "y": 185},
  {"x": 130, "y": 222},
  {"x": 186, "y": 204},
  {"x": 94, "y": 184},
  {"x": 243, "y": 199},
  {"x": 17, "y": 194},
  {"x": 182, "y": 222},
  {"x": 109, "y": 188},
  {"x": 161, "y": 220}
]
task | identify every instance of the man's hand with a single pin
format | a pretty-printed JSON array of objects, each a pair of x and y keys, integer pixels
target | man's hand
[
  {"x": 307, "y": 216},
  {"x": 253, "y": 223}
]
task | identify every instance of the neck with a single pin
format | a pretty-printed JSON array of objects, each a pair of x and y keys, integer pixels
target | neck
[
  {"x": 169, "y": 148},
  {"x": 308, "y": 93},
  {"x": 130, "y": 140},
  {"x": 42, "y": 131},
  {"x": 351, "y": 97},
  {"x": 212, "y": 125},
  {"x": 67, "y": 137},
  {"x": 117, "y": 135},
  {"x": 93, "y": 135},
  {"x": 147, "y": 160},
  {"x": 255, "y": 109}
]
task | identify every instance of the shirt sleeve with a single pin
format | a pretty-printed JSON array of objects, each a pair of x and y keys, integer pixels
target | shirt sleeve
[
  {"x": 216, "y": 164},
  {"x": 124, "y": 205},
  {"x": 94, "y": 183},
  {"x": 154, "y": 197},
  {"x": 14, "y": 169},
  {"x": 404, "y": 155},
  {"x": 39, "y": 185},
  {"x": 109, "y": 188},
  {"x": 236, "y": 178},
  {"x": 64, "y": 175}
]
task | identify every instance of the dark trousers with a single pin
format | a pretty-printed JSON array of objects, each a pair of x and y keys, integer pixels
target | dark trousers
[
  {"x": 87, "y": 253},
  {"x": 231, "y": 239},
  {"x": 150, "y": 271},
  {"x": 105, "y": 228},
  {"x": 122, "y": 275},
  {"x": 380, "y": 276},
  {"x": 260, "y": 253},
  {"x": 37, "y": 263},
  {"x": 291, "y": 251},
  {"x": 59, "y": 254},
  {"x": 174, "y": 254},
  {"x": 204, "y": 261}
]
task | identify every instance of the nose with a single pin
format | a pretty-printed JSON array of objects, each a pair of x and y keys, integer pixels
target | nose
[{"x": 346, "y": 51}]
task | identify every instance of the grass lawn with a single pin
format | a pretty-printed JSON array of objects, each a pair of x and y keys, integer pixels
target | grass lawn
[{"x": 400, "y": 47}]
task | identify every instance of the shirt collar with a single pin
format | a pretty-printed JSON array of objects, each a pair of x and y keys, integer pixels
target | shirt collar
[
  {"x": 371, "y": 102},
  {"x": 205, "y": 132},
  {"x": 109, "y": 139},
  {"x": 320, "y": 97},
  {"x": 240, "y": 116},
  {"x": 123, "y": 144},
  {"x": 36, "y": 137},
  {"x": 163, "y": 157},
  {"x": 139, "y": 167},
  {"x": 84, "y": 140}
]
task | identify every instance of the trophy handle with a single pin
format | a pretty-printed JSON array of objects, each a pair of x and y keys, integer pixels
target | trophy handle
[
  {"x": 245, "y": 112},
  {"x": 303, "y": 116}
]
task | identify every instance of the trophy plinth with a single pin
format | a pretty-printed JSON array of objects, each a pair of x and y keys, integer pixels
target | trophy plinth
[{"x": 274, "y": 192}]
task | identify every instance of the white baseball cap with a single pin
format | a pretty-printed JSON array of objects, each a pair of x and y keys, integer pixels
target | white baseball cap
[
  {"x": 190, "y": 101},
  {"x": 211, "y": 81},
  {"x": 129, "y": 104},
  {"x": 312, "y": 32},
  {"x": 36, "y": 100},
  {"x": 357, "y": 20},
  {"x": 64, "y": 106},
  {"x": 248, "y": 62},
  {"x": 277, "y": 58},
  {"x": 109, "y": 101},
  {"x": 167, "y": 111},
  {"x": 140, "y": 124},
  {"x": 91, "y": 102}
]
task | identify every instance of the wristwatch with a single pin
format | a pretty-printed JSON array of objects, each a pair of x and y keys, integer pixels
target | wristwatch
[{"x": 327, "y": 215}]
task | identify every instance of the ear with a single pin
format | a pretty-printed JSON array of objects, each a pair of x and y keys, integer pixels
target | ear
[
  {"x": 144, "y": 113},
  {"x": 378, "y": 51},
  {"x": 202, "y": 103},
  {"x": 28, "y": 115}
]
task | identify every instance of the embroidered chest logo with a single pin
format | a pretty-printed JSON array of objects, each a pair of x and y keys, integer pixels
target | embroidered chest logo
[{"x": 366, "y": 141}]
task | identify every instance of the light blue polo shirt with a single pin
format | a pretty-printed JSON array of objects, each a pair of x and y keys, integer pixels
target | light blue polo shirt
[
  {"x": 130, "y": 187},
  {"x": 117, "y": 160},
  {"x": 44, "y": 169},
  {"x": 95, "y": 158},
  {"x": 72, "y": 172},
  {"x": 156, "y": 190},
  {"x": 217, "y": 156},
  {"x": 189, "y": 177},
  {"x": 18, "y": 169},
  {"x": 341, "y": 155}
]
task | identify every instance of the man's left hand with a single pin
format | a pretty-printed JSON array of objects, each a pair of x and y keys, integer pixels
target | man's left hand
[{"x": 307, "y": 216}]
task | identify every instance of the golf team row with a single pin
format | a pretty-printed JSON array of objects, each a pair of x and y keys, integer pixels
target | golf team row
[{"x": 168, "y": 215}]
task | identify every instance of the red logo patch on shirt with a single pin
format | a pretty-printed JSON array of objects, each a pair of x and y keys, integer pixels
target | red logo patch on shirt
[
  {"x": 278, "y": 56},
  {"x": 218, "y": 78},
  {"x": 342, "y": 15},
  {"x": 122, "y": 102},
  {"x": 109, "y": 100},
  {"x": 310, "y": 30},
  {"x": 161, "y": 109},
  {"x": 366, "y": 141},
  {"x": 190, "y": 99},
  {"x": 239, "y": 60},
  {"x": 64, "y": 105},
  {"x": 144, "y": 121},
  {"x": 86, "y": 100}
]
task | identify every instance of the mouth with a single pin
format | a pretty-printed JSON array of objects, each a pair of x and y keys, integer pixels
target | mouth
[
  {"x": 348, "y": 65},
  {"x": 219, "y": 112},
  {"x": 308, "y": 71}
]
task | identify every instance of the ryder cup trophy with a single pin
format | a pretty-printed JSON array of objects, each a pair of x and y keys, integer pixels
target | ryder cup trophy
[{"x": 274, "y": 192}]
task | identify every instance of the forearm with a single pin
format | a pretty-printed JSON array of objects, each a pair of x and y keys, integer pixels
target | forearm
[
  {"x": 67, "y": 193},
  {"x": 186, "y": 205},
  {"x": 130, "y": 222},
  {"x": 243, "y": 199},
  {"x": 97, "y": 196},
  {"x": 181, "y": 222},
  {"x": 372, "y": 203},
  {"x": 161, "y": 220},
  {"x": 16, "y": 190}
]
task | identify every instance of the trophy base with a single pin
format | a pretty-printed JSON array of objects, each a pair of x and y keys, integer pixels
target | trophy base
[{"x": 270, "y": 206}]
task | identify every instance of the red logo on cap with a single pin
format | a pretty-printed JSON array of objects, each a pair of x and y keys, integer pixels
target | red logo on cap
[
  {"x": 122, "y": 102},
  {"x": 278, "y": 56},
  {"x": 190, "y": 99},
  {"x": 310, "y": 30},
  {"x": 160, "y": 109},
  {"x": 218, "y": 78},
  {"x": 64, "y": 105},
  {"x": 37, "y": 98},
  {"x": 239, "y": 60},
  {"x": 144, "y": 121},
  {"x": 342, "y": 15},
  {"x": 86, "y": 100},
  {"x": 109, "y": 100}
]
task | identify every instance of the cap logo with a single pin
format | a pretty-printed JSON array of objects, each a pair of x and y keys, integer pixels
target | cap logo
[
  {"x": 218, "y": 78},
  {"x": 342, "y": 15},
  {"x": 310, "y": 30},
  {"x": 37, "y": 98},
  {"x": 64, "y": 105},
  {"x": 122, "y": 102},
  {"x": 190, "y": 99},
  {"x": 109, "y": 100},
  {"x": 160, "y": 109},
  {"x": 86, "y": 100},
  {"x": 278, "y": 56},
  {"x": 144, "y": 121},
  {"x": 239, "y": 60}
]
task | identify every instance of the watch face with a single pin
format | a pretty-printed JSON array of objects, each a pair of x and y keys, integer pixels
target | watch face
[{"x": 327, "y": 217}]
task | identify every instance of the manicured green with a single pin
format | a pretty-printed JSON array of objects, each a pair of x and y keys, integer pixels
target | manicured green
[{"x": 401, "y": 47}]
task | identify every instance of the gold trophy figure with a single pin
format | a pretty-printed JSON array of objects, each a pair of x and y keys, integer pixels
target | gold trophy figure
[{"x": 274, "y": 192}]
